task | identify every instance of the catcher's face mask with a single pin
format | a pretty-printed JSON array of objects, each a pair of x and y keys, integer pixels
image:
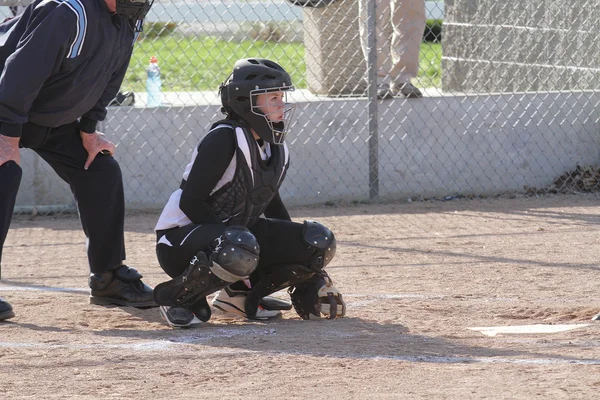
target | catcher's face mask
[
  {"x": 272, "y": 105},
  {"x": 134, "y": 9},
  {"x": 258, "y": 78}
]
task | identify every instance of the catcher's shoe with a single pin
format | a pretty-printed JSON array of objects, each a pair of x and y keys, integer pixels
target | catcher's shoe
[
  {"x": 122, "y": 286},
  {"x": 232, "y": 301},
  {"x": 596, "y": 317},
  {"x": 273, "y": 303},
  {"x": 178, "y": 317},
  {"x": 6, "y": 310}
]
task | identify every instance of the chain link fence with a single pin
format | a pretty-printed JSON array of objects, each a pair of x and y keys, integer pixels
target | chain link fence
[{"x": 510, "y": 100}]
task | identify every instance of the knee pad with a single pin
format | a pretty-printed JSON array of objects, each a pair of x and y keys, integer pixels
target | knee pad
[
  {"x": 202, "y": 277},
  {"x": 322, "y": 241},
  {"x": 233, "y": 256},
  {"x": 236, "y": 252}
]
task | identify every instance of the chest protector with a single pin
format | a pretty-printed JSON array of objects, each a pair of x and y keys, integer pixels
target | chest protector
[{"x": 255, "y": 182}]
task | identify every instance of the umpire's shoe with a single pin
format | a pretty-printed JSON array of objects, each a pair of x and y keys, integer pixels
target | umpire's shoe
[
  {"x": 6, "y": 310},
  {"x": 122, "y": 286}
]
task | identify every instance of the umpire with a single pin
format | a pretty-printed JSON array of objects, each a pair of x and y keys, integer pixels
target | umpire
[{"x": 62, "y": 62}]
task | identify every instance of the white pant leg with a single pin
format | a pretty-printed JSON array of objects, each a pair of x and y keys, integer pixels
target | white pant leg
[
  {"x": 384, "y": 41},
  {"x": 408, "y": 23}
]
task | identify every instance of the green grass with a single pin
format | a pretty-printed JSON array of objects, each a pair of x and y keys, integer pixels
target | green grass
[
  {"x": 199, "y": 64},
  {"x": 430, "y": 65}
]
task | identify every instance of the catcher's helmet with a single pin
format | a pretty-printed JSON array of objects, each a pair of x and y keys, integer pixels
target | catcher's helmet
[
  {"x": 251, "y": 77},
  {"x": 312, "y": 3},
  {"x": 134, "y": 9}
]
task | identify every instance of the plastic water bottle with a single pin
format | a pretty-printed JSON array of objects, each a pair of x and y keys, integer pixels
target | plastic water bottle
[{"x": 153, "y": 84}]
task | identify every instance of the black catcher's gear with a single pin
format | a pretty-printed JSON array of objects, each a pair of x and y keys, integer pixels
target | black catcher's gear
[
  {"x": 134, "y": 9},
  {"x": 312, "y": 3},
  {"x": 236, "y": 251},
  {"x": 234, "y": 257},
  {"x": 317, "y": 296},
  {"x": 283, "y": 277},
  {"x": 254, "y": 183},
  {"x": 121, "y": 286},
  {"x": 189, "y": 290},
  {"x": 322, "y": 240},
  {"x": 251, "y": 77},
  {"x": 323, "y": 245}
]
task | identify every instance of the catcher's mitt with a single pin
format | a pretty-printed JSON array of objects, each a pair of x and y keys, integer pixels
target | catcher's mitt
[{"x": 317, "y": 296}]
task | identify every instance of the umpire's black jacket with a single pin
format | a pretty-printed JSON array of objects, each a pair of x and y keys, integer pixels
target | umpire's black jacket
[{"x": 62, "y": 60}]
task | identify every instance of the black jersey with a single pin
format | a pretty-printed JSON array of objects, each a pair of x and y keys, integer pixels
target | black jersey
[
  {"x": 228, "y": 180},
  {"x": 62, "y": 60}
]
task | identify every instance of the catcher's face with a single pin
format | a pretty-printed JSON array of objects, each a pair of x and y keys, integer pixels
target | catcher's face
[{"x": 272, "y": 105}]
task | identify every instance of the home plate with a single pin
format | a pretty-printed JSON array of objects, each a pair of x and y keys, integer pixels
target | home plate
[{"x": 527, "y": 329}]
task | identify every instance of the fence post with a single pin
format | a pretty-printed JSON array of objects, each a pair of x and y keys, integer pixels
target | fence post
[{"x": 372, "y": 100}]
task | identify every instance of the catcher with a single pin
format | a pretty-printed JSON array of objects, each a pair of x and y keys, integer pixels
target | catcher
[{"x": 227, "y": 228}]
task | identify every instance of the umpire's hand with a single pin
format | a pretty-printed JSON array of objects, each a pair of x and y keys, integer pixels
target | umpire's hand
[
  {"x": 9, "y": 149},
  {"x": 95, "y": 143}
]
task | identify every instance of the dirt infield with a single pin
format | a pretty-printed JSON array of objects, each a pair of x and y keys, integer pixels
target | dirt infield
[{"x": 416, "y": 277}]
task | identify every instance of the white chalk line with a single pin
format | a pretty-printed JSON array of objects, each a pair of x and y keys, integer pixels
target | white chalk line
[
  {"x": 374, "y": 297},
  {"x": 86, "y": 290},
  {"x": 164, "y": 345},
  {"x": 42, "y": 289},
  {"x": 370, "y": 298}
]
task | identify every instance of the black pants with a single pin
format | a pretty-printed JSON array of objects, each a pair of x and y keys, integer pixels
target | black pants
[
  {"x": 280, "y": 244},
  {"x": 97, "y": 191}
]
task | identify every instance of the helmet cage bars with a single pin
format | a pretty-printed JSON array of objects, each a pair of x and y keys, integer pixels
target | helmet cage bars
[
  {"x": 252, "y": 77},
  {"x": 133, "y": 9},
  {"x": 278, "y": 129}
]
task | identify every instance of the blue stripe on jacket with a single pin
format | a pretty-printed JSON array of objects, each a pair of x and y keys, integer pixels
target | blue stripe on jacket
[{"x": 79, "y": 10}]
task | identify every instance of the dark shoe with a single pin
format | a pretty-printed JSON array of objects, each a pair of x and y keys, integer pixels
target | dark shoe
[
  {"x": 6, "y": 311},
  {"x": 121, "y": 286},
  {"x": 273, "y": 303},
  {"x": 178, "y": 317},
  {"x": 407, "y": 89},
  {"x": 384, "y": 92},
  {"x": 596, "y": 317}
]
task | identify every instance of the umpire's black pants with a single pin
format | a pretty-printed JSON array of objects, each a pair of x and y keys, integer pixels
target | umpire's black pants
[{"x": 97, "y": 191}]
